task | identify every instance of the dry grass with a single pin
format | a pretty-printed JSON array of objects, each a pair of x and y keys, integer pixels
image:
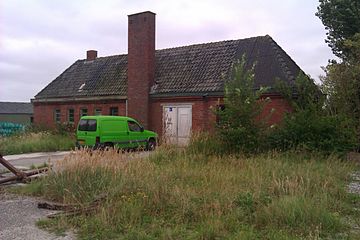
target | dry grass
[{"x": 177, "y": 194}]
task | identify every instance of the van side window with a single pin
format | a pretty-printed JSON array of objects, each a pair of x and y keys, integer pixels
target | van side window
[
  {"x": 87, "y": 125},
  {"x": 134, "y": 127},
  {"x": 82, "y": 125},
  {"x": 91, "y": 125}
]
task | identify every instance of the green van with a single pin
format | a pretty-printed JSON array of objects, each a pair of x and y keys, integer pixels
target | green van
[{"x": 113, "y": 131}]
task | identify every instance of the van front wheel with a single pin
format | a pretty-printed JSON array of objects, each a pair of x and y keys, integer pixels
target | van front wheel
[{"x": 151, "y": 145}]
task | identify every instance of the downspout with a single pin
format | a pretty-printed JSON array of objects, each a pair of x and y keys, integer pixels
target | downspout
[{"x": 126, "y": 107}]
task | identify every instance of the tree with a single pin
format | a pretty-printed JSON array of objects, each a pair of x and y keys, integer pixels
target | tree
[
  {"x": 240, "y": 126},
  {"x": 342, "y": 20},
  {"x": 303, "y": 95},
  {"x": 341, "y": 84}
]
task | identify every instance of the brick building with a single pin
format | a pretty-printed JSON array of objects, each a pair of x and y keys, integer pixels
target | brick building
[{"x": 168, "y": 91}]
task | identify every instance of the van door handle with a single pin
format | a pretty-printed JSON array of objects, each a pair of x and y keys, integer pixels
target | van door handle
[{"x": 127, "y": 133}]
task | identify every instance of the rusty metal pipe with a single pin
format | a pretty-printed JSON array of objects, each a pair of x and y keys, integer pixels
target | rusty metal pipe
[
  {"x": 26, "y": 174},
  {"x": 11, "y": 167}
]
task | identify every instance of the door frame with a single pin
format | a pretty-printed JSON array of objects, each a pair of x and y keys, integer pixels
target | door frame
[{"x": 176, "y": 105}]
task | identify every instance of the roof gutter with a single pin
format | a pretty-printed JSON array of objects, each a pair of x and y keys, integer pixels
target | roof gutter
[
  {"x": 194, "y": 94},
  {"x": 72, "y": 99}
]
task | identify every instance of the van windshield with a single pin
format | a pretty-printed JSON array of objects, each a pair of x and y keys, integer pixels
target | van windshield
[{"x": 87, "y": 125}]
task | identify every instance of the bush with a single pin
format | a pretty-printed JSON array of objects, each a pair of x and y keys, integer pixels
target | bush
[
  {"x": 309, "y": 131},
  {"x": 310, "y": 126},
  {"x": 59, "y": 129}
]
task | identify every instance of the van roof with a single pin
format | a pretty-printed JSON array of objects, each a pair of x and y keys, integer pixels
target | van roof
[{"x": 108, "y": 117}]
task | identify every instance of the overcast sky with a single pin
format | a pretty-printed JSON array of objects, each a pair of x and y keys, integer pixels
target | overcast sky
[{"x": 39, "y": 39}]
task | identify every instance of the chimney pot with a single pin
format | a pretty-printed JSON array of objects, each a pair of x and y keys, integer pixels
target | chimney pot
[{"x": 91, "y": 55}]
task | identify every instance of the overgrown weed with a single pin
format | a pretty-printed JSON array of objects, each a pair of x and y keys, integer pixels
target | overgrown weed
[{"x": 35, "y": 142}]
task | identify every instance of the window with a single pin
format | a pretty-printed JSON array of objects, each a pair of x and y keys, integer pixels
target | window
[
  {"x": 71, "y": 115},
  {"x": 83, "y": 112},
  {"x": 220, "y": 108},
  {"x": 87, "y": 125},
  {"x": 57, "y": 115},
  {"x": 97, "y": 111},
  {"x": 134, "y": 127},
  {"x": 114, "y": 111}
]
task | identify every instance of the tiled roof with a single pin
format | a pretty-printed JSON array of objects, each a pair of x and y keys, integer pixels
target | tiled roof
[
  {"x": 194, "y": 69},
  {"x": 16, "y": 108}
]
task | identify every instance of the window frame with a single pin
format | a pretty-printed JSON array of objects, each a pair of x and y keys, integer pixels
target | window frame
[
  {"x": 111, "y": 111},
  {"x": 82, "y": 112},
  {"x": 97, "y": 111},
  {"x": 69, "y": 115},
  {"x": 57, "y": 115}
]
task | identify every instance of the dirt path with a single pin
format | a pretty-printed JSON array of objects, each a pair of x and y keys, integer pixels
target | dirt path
[{"x": 18, "y": 217}]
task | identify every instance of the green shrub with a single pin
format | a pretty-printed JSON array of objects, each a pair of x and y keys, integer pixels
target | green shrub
[
  {"x": 317, "y": 133},
  {"x": 310, "y": 126}
]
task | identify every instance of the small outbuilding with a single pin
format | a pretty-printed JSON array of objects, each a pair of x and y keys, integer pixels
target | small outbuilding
[{"x": 16, "y": 112}]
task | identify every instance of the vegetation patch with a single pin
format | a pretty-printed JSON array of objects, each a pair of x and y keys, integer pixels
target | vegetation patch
[
  {"x": 35, "y": 142},
  {"x": 185, "y": 194}
]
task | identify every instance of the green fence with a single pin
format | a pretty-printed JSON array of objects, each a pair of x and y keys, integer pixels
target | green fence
[{"x": 8, "y": 128}]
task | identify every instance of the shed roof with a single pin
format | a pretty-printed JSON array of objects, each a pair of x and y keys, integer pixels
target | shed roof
[
  {"x": 189, "y": 70},
  {"x": 16, "y": 108}
]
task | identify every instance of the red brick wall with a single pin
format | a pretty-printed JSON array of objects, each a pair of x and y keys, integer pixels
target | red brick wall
[
  {"x": 203, "y": 117},
  {"x": 44, "y": 112},
  {"x": 275, "y": 109},
  {"x": 141, "y": 64},
  {"x": 202, "y": 113}
]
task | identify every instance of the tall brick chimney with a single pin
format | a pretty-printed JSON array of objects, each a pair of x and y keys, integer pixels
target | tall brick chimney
[
  {"x": 91, "y": 55},
  {"x": 141, "y": 64}
]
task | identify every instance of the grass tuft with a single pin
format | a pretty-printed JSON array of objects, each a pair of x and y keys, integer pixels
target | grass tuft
[{"x": 35, "y": 142}]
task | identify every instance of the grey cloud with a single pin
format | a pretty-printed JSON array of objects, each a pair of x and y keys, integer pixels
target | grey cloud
[{"x": 41, "y": 38}]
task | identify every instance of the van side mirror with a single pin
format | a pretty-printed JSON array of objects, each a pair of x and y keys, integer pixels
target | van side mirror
[{"x": 141, "y": 129}]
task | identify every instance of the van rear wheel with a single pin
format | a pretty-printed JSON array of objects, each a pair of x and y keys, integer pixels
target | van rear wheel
[{"x": 151, "y": 145}]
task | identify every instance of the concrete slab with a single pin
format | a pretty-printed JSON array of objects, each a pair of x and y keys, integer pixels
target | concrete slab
[{"x": 35, "y": 155}]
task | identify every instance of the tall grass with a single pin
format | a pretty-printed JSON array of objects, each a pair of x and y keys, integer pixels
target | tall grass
[
  {"x": 182, "y": 194},
  {"x": 35, "y": 142}
]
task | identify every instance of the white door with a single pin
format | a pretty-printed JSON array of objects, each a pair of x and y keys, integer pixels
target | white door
[
  {"x": 170, "y": 124},
  {"x": 177, "y": 124}
]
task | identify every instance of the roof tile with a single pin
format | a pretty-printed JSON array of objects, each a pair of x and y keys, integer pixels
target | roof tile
[{"x": 190, "y": 69}]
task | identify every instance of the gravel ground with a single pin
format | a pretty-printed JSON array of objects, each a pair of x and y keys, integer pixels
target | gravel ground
[
  {"x": 18, "y": 216},
  {"x": 354, "y": 186}
]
